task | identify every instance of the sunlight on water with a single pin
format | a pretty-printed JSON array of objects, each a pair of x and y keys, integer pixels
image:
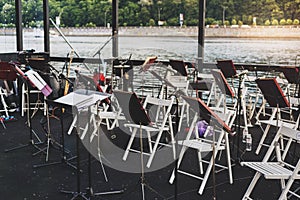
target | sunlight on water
[{"x": 274, "y": 51}]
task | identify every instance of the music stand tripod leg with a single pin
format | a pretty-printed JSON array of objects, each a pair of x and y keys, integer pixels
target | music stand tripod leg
[
  {"x": 90, "y": 189},
  {"x": 63, "y": 150},
  {"x": 32, "y": 133}
]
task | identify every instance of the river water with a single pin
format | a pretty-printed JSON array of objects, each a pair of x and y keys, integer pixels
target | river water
[{"x": 240, "y": 50}]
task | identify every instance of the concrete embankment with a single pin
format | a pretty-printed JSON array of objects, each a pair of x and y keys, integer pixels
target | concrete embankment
[{"x": 245, "y": 32}]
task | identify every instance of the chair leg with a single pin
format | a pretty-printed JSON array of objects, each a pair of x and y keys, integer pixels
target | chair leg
[
  {"x": 251, "y": 186},
  {"x": 181, "y": 117},
  {"x": 207, "y": 173},
  {"x": 200, "y": 162},
  {"x": 172, "y": 178},
  {"x": 129, "y": 144},
  {"x": 149, "y": 142},
  {"x": 23, "y": 103},
  {"x": 154, "y": 149},
  {"x": 228, "y": 159},
  {"x": 172, "y": 137},
  {"x": 263, "y": 137},
  {"x": 283, "y": 195},
  {"x": 209, "y": 168}
]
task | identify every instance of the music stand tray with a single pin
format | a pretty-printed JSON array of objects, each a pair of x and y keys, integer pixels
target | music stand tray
[
  {"x": 272, "y": 92},
  {"x": 291, "y": 74},
  {"x": 222, "y": 83},
  {"x": 82, "y": 98},
  {"x": 197, "y": 105},
  {"x": 132, "y": 107},
  {"x": 179, "y": 66},
  {"x": 227, "y": 67}
]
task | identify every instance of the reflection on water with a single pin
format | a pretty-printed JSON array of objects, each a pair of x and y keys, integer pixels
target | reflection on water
[{"x": 273, "y": 51}]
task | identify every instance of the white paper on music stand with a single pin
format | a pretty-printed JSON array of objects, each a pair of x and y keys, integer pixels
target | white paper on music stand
[{"x": 82, "y": 98}]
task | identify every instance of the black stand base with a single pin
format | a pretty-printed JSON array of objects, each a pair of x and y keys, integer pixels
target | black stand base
[
  {"x": 87, "y": 195},
  {"x": 21, "y": 146}
]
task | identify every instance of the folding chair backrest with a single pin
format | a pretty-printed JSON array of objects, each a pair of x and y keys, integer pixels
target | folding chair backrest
[
  {"x": 163, "y": 107},
  {"x": 289, "y": 134},
  {"x": 132, "y": 107}
]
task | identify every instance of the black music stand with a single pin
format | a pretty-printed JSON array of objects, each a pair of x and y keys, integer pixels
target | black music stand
[
  {"x": 179, "y": 66},
  {"x": 198, "y": 106},
  {"x": 227, "y": 67},
  {"x": 229, "y": 71},
  {"x": 292, "y": 76},
  {"x": 274, "y": 96},
  {"x": 135, "y": 113},
  {"x": 51, "y": 141},
  {"x": 79, "y": 100},
  {"x": 272, "y": 92},
  {"x": 222, "y": 83},
  {"x": 206, "y": 113}
]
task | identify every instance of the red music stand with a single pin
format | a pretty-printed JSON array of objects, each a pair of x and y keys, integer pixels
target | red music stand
[{"x": 227, "y": 67}]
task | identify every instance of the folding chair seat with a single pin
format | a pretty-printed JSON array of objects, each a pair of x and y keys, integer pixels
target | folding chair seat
[
  {"x": 156, "y": 121},
  {"x": 285, "y": 168},
  {"x": 213, "y": 145}
]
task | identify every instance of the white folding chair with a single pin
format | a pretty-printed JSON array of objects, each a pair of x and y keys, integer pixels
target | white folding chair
[
  {"x": 156, "y": 121},
  {"x": 205, "y": 145},
  {"x": 27, "y": 104},
  {"x": 283, "y": 168}
]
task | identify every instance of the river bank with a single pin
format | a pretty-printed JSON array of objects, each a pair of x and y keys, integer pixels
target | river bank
[{"x": 221, "y": 32}]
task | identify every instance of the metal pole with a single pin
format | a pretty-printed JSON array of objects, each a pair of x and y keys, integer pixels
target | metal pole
[
  {"x": 201, "y": 33},
  {"x": 19, "y": 28},
  {"x": 46, "y": 26},
  {"x": 115, "y": 27}
]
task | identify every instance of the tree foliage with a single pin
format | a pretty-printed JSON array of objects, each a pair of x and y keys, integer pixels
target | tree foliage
[{"x": 144, "y": 12}]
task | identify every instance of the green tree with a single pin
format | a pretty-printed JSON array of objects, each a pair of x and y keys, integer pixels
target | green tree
[{"x": 8, "y": 13}]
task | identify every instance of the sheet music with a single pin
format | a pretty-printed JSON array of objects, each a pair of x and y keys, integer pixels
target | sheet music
[{"x": 82, "y": 98}]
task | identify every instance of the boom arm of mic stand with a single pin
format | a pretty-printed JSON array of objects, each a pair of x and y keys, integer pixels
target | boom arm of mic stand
[
  {"x": 67, "y": 41},
  {"x": 102, "y": 47}
]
